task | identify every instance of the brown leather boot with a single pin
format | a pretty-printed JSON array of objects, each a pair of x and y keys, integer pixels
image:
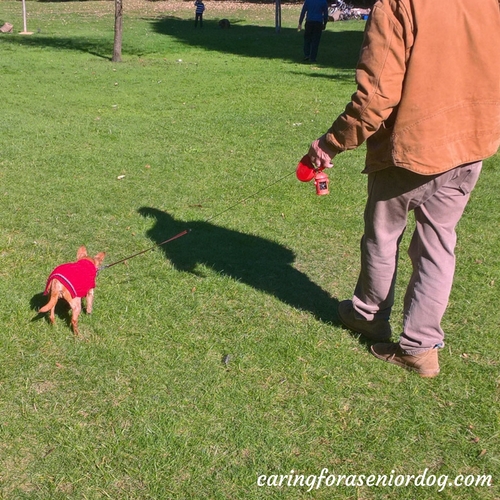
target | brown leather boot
[
  {"x": 378, "y": 329},
  {"x": 425, "y": 364}
]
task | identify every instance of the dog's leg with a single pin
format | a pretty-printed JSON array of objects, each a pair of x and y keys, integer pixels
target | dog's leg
[
  {"x": 76, "y": 309},
  {"x": 89, "y": 301},
  {"x": 52, "y": 315}
]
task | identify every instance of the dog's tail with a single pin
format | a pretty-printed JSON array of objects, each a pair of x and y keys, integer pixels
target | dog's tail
[{"x": 51, "y": 303}]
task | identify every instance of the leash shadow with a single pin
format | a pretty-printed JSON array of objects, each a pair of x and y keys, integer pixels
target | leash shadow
[{"x": 260, "y": 263}]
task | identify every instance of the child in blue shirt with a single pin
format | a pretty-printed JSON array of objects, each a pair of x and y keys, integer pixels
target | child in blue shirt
[{"x": 198, "y": 14}]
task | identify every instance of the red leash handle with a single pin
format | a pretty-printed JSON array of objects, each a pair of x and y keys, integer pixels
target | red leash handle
[{"x": 306, "y": 172}]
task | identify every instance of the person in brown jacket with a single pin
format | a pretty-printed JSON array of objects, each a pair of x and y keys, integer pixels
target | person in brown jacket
[{"x": 428, "y": 106}]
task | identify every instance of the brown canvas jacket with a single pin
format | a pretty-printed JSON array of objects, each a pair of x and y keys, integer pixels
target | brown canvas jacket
[{"x": 428, "y": 96}]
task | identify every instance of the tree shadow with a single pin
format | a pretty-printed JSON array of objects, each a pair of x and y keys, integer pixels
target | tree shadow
[
  {"x": 260, "y": 263},
  {"x": 339, "y": 49},
  {"x": 98, "y": 47}
]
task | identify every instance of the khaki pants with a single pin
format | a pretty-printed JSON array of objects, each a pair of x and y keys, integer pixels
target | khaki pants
[{"x": 438, "y": 203}]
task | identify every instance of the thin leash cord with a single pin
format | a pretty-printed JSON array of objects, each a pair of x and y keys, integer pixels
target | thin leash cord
[
  {"x": 182, "y": 233},
  {"x": 249, "y": 196}
]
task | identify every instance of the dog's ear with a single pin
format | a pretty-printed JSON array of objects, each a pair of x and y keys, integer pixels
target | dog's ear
[
  {"x": 81, "y": 253},
  {"x": 99, "y": 258}
]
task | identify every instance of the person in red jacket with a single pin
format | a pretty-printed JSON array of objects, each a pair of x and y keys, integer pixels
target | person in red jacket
[{"x": 428, "y": 106}]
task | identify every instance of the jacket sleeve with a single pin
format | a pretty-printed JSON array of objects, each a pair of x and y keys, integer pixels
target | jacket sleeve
[{"x": 379, "y": 76}]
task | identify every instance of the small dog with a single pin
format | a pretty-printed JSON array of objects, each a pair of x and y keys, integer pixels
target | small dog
[
  {"x": 72, "y": 281},
  {"x": 224, "y": 24}
]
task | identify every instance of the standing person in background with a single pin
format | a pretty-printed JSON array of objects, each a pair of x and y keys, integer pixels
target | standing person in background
[
  {"x": 198, "y": 13},
  {"x": 428, "y": 106},
  {"x": 316, "y": 15}
]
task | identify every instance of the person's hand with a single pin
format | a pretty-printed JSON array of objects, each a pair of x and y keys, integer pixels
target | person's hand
[
  {"x": 321, "y": 153},
  {"x": 299, "y": 27}
]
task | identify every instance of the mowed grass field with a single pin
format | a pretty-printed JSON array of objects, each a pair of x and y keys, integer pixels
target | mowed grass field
[{"x": 218, "y": 358}]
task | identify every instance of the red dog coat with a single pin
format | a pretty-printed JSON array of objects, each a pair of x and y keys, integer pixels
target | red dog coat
[{"x": 77, "y": 277}]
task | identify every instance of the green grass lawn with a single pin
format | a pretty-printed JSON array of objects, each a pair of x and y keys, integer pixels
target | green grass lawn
[{"x": 217, "y": 358}]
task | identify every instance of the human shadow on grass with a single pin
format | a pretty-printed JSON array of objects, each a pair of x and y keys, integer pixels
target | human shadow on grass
[{"x": 258, "y": 262}]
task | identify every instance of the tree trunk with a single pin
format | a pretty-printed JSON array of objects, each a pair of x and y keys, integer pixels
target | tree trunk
[{"x": 117, "y": 46}]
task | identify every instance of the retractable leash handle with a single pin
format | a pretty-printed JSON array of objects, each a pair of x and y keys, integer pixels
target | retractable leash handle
[{"x": 306, "y": 172}]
